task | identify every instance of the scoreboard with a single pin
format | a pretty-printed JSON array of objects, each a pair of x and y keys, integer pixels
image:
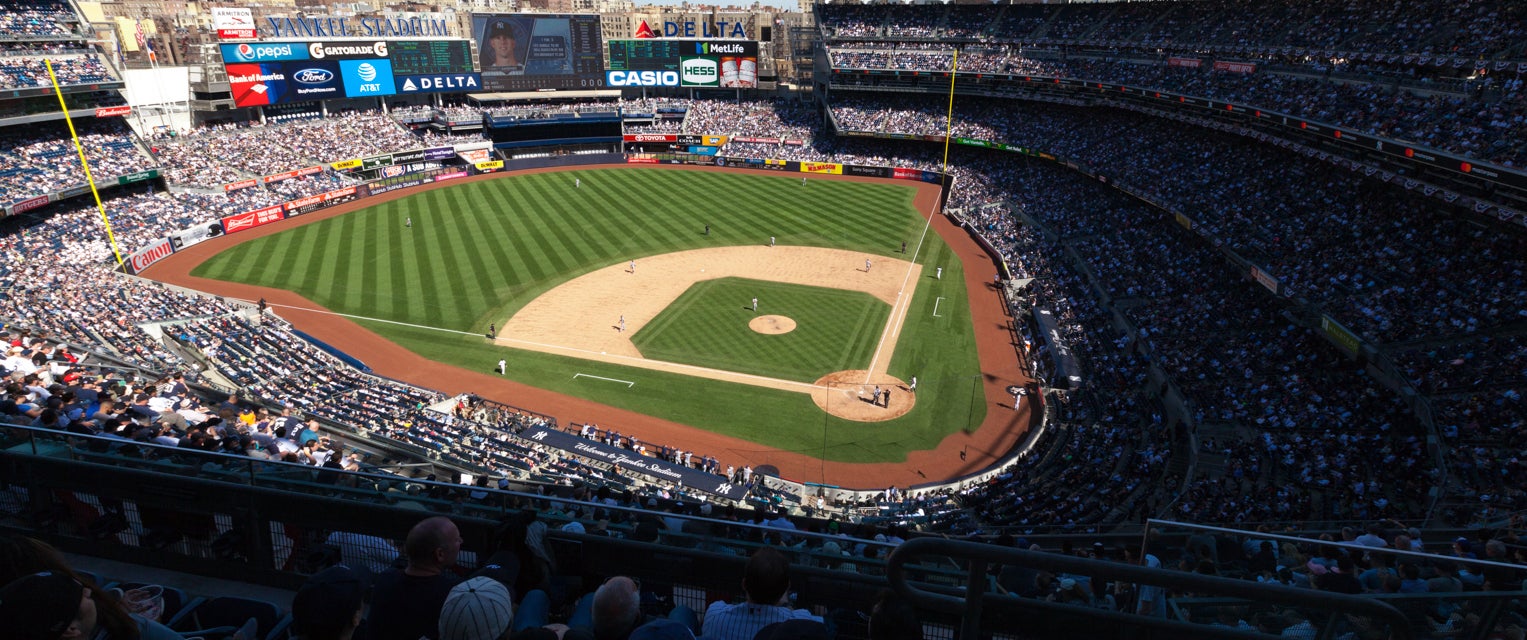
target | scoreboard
[
  {"x": 431, "y": 57},
  {"x": 652, "y": 62}
]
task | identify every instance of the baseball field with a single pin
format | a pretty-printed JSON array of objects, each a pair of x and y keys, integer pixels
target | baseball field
[{"x": 635, "y": 290}]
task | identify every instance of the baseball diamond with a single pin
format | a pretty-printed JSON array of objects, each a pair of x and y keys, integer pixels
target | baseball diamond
[{"x": 496, "y": 250}]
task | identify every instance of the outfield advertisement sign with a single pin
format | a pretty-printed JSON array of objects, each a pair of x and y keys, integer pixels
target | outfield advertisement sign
[
  {"x": 154, "y": 252},
  {"x": 631, "y": 461},
  {"x": 832, "y": 168},
  {"x": 241, "y": 184},
  {"x": 870, "y": 172},
  {"x": 139, "y": 176},
  {"x": 288, "y": 175},
  {"x": 491, "y": 165},
  {"x": 29, "y": 204},
  {"x": 1340, "y": 334},
  {"x": 310, "y": 204},
  {"x": 195, "y": 235},
  {"x": 249, "y": 220},
  {"x": 1265, "y": 279},
  {"x": 441, "y": 153}
]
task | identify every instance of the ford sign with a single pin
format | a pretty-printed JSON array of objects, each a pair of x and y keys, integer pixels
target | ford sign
[{"x": 313, "y": 76}]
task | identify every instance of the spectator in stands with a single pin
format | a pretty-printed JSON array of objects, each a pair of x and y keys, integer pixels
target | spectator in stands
[
  {"x": 766, "y": 581},
  {"x": 406, "y": 602},
  {"x": 54, "y": 605},
  {"x": 894, "y": 619},
  {"x": 478, "y": 609},
  {"x": 329, "y": 604}
]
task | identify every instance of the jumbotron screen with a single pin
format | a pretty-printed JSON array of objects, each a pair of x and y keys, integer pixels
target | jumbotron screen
[{"x": 539, "y": 52}]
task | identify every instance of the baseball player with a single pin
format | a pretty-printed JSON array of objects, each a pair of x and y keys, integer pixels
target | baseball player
[
  {"x": 633, "y": 267},
  {"x": 939, "y": 274},
  {"x": 502, "y": 367},
  {"x": 577, "y": 183},
  {"x": 755, "y": 304},
  {"x": 803, "y": 181},
  {"x": 622, "y": 323},
  {"x": 771, "y": 241},
  {"x": 408, "y": 222},
  {"x": 866, "y": 265}
]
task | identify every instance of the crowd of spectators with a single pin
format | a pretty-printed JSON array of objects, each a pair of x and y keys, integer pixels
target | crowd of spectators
[
  {"x": 1482, "y": 30},
  {"x": 1478, "y": 124},
  {"x": 776, "y": 118},
  {"x": 36, "y": 19},
  {"x": 24, "y": 72},
  {"x": 39, "y": 160},
  {"x": 214, "y": 156}
]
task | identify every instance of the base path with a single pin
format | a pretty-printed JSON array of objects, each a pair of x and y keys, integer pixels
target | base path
[
  {"x": 1000, "y": 367},
  {"x": 582, "y": 317}
]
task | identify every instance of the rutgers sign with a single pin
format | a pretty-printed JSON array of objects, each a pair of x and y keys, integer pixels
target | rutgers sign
[{"x": 153, "y": 253}]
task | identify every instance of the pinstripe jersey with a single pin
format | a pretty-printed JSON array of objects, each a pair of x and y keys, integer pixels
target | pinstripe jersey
[{"x": 742, "y": 621}]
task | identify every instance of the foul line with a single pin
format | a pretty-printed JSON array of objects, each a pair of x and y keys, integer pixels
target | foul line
[
  {"x": 935, "y": 306},
  {"x": 629, "y": 383},
  {"x": 355, "y": 317}
]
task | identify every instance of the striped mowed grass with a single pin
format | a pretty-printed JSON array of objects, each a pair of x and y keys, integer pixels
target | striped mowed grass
[
  {"x": 477, "y": 252},
  {"x": 708, "y": 327}
]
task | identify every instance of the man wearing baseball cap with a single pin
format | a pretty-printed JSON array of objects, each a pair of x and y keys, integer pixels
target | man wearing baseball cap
[
  {"x": 328, "y": 606},
  {"x": 478, "y": 609}
]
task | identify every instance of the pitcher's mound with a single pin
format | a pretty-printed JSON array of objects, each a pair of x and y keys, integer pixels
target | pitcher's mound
[
  {"x": 846, "y": 395},
  {"x": 772, "y": 325}
]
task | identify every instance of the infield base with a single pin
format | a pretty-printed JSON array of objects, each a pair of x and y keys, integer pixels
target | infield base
[{"x": 845, "y": 394}]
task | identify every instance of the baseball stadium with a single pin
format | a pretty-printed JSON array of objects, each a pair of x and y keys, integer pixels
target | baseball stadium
[{"x": 1165, "y": 319}]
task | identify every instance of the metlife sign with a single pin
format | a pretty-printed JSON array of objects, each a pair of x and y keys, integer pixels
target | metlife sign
[
  {"x": 367, "y": 78},
  {"x": 438, "y": 83}
]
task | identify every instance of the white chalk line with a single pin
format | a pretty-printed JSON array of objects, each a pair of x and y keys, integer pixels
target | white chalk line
[
  {"x": 903, "y": 302},
  {"x": 935, "y": 306},
  {"x": 629, "y": 383}
]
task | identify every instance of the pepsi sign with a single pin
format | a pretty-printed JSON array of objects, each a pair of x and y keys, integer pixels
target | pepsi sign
[{"x": 263, "y": 52}]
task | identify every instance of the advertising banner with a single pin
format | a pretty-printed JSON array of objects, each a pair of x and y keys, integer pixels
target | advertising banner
[
  {"x": 252, "y": 219},
  {"x": 1190, "y": 63},
  {"x": 288, "y": 175},
  {"x": 1265, "y": 279},
  {"x": 312, "y": 80},
  {"x": 753, "y": 140},
  {"x": 364, "y": 78},
  {"x": 645, "y": 62},
  {"x": 822, "y": 167},
  {"x": 193, "y": 235},
  {"x": 907, "y": 174},
  {"x": 28, "y": 204},
  {"x": 649, "y": 137},
  {"x": 1235, "y": 67},
  {"x": 631, "y": 461},
  {"x": 321, "y": 201},
  {"x": 873, "y": 172},
  {"x": 138, "y": 176},
  {"x": 440, "y": 153},
  {"x": 348, "y": 50},
  {"x": 154, "y": 252},
  {"x": 71, "y": 192},
  {"x": 475, "y": 156},
  {"x": 256, "y": 84},
  {"x": 1340, "y": 334},
  {"x": 234, "y": 24},
  {"x": 1068, "y": 374},
  {"x": 263, "y": 52},
  {"x": 451, "y": 176},
  {"x": 376, "y": 161},
  {"x": 242, "y": 184},
  {"x": 702, "y": 151},
  {"x": 1186, "y": 222},
  {"x": 699, "y": 141},
  {"x": 491, "y": 165},
  {"x": 346, "y": 165},
  {"x": 641, "y": 160},
  {"x": 437, "y": 83},
  {"x": 107, "y": 112}
]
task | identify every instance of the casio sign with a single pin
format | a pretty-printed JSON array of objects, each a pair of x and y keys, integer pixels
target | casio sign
[
  {"x": 700, "y": 71},
  {"x": 313, "y": 76},
  {"x": 643, "y": 78}
]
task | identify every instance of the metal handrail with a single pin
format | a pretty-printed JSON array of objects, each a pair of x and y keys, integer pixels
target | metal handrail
[{"x": 972, "y": 601}]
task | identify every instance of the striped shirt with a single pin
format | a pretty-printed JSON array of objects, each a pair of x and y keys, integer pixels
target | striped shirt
[{"x": 743, "y": 621}]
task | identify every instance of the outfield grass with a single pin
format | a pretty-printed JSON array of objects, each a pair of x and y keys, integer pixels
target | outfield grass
[
  {"x": 479, "y": 251},
  {"x": 707, "y": 326}
]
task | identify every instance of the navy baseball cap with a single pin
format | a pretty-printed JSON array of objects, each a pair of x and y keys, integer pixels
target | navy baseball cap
[{"x": 40, "y": 606}]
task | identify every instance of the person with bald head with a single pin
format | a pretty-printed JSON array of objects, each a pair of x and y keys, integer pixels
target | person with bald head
[
  {"x": 617, "y": 609},
  {"x": 406, "y": 602}
]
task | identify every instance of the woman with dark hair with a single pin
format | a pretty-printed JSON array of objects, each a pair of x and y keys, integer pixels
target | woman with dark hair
[{"x": 39, "y": 588}]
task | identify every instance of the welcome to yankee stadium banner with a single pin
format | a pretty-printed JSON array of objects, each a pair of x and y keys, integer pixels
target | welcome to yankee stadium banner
[{"x": 632, "y": 461}]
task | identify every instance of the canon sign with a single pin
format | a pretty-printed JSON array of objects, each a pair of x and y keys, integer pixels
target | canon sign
[
  {"x": 643, "y": 78},
  {"x": 153, "y": 253}
]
